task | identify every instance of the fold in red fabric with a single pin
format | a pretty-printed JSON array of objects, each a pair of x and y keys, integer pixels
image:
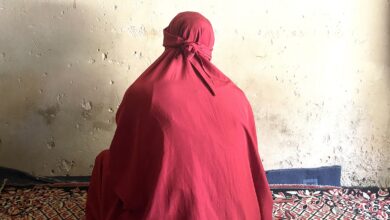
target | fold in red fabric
[{"x": 185, "y": 146}]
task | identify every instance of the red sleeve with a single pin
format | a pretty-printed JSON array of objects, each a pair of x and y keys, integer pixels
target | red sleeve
[
  {"x": 264, "y": 195},
  {"x": 135, "y": 152}
]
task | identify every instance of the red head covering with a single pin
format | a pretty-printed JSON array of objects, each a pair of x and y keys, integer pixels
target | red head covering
[
  {"x": 189, "y": 41},
  {"x": 191, "y": 32},
  {"x": 192, "y": 35},
  {"x": 185, "y": 145}
]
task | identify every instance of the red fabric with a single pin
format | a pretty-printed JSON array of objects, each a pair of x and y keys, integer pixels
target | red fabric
[{"x": 185, "y": 146}]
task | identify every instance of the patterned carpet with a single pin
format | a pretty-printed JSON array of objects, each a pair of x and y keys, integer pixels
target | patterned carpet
[
  {"x": 44, "y": 202},
  {"x": 335, "y": 203}
]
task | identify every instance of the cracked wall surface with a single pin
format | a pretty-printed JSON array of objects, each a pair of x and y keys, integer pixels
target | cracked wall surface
[{"x": 317, "y": 74}]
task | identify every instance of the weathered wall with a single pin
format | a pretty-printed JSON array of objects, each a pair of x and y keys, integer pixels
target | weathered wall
[{"x": 316, "y": 72}]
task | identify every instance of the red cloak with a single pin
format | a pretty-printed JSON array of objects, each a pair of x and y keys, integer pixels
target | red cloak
[{"x": 185, "y": 146}]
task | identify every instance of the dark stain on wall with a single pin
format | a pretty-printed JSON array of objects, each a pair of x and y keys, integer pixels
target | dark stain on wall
[
  {"x": 277, "y": 122},
  {"x": 49, "y": 114}
]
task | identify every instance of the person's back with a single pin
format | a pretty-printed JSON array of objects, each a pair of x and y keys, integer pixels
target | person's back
[{"x": 185, "y": 145}]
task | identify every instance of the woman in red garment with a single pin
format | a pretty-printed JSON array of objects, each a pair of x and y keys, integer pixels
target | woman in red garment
[{"x": 185, "y": 146}]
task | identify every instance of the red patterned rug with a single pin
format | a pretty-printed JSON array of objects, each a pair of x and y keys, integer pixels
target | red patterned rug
[
  {"x": 56, "y": 202},
  {"x": 42, "y": 202},
  {"x": 337, "y": 203}
]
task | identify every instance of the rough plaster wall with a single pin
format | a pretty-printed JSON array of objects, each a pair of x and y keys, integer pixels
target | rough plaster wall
[{"x": 316, "y": 72}]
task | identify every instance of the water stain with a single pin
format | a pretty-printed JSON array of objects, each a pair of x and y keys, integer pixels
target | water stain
[
  {"x": 278, "y": 123},
  {"x": 86, "y": 114},
  {"x": 49, "y": 114}
]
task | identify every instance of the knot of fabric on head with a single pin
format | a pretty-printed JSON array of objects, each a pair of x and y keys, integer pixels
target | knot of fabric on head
[{"x": 189, "y": 51}]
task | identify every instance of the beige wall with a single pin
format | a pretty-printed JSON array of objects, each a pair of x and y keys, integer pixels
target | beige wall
[{"x": 316, "y": 72}]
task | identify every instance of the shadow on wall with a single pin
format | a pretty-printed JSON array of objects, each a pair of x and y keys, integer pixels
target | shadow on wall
[{"x": 38, "y": 45}]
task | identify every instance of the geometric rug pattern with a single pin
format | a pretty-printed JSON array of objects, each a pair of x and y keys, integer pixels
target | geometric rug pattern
[
  {"x": 336, "y": 203},
  {"x": 42, "y": 202},
  {"x": 45, "y": 202}
]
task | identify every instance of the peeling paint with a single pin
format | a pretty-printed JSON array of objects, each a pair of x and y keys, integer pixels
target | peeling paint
[
  {"x": 66, "y": 165},
  {"x": 104, "y": 56},
  {"x": 100, "y": 125},
  {"x": 51, "y": 144},
  {"x": 86, "y": 105}
]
